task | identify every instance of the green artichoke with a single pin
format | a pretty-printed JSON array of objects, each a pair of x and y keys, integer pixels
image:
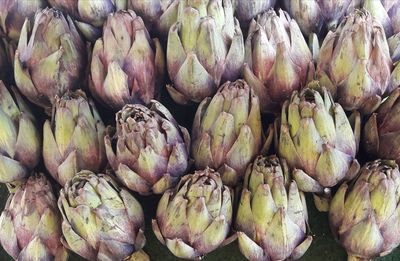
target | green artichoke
[
  {"x": 89, "y": 16},
  {"x": 272, "y": 214},
  {"x": 101, "y": 221},
  {"x": 247, "y": 10},
  {"x": 315, "y": 16},
  {"x": 354, "y": 63},
  {"x": 381, "y": 135},
  {"x": 74, "y": 138},
  {"x": 50, "y": 58},
  {"x": 127, "y": 66},
  {"x": 317, "y": 140},
  {"x": 278, "y": 60},
  {"x": 30, "y": 225},
  {"x": 13, "y": 14},
  {"x": 227, "y": 133},
  {"x": 20, "y": 142},
  {"x": 365, "y": 214},
  {"x": 203, "y": 51},
  {"x": 149, "y": 151},
  {"x": 194, "y": 218}
]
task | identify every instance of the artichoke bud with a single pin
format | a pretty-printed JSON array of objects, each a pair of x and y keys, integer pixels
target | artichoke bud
[
  {"x": 127, "y": 65},
  {"x": 20, "y": 142},
  {"x": 318, "y": 140},
  {"x": 74, "y": 138},
  {"x": 50, "y": 58},
  {"x": 149, "y": 151},
  {"x": 368, "y": 206},
  {"x": 194, "y": 218},
  {"x": 247, "y": 10},
  {"x": 272, "y": 214},
  {"x": 30, "y": 224},
  {"x": 100, "y": 220},
  {"x": 227, "y": 132}
]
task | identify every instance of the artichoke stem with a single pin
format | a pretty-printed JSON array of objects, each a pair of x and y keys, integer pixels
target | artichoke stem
[
  {"x": 355, "y": 258},
  {"x": 139, "y": 256}
]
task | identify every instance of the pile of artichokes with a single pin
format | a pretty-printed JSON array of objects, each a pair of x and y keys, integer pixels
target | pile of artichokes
[{"x": 163, "y": 129}]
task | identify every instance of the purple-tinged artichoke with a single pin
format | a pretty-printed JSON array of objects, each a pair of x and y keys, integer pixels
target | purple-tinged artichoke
[
  {"x": 249, "y": 9},
  {"x": 74, "y": 138},
  {"x": 30, "y": 225},
  {"x": 149, "y": 151},
  {"x": 355, "y": 64},
  {"x": 318, "y": 142},
  {"x": 127, "y": 66},
  {"x": 50, "y": 58},
  {"x": 314, "y": 16},
  {"x": 381, "y": 136},
  {"x": 101, "y": 221},
  {"x": 162, "y": 14},
  {"x": 394, "y": 47},
  {"x": 365, "y": 214},
  {"x": 387, "y": 12},
  {"x": 227, "y": 133},
  {"x": 278, "y": 60},
  {"x": 195, "y": 218},
  {"x": 203, "y": 52},
  {"x": 13, "y": 14},
  {"x": 272, "y": 214},
  {"x": 20, "y": 143},
  {"x": 89, "y": 15}
]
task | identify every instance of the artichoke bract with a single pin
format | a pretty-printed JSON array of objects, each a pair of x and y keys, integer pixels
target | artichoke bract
[
  {"x": 13, "y": 14},
  {"x": 30, "y": 225},
  {"x": 203, "y": 51},
  {"x": 272, "y": 214},
  {"x": 227, "y": 133},
  {"x": 278, "y": 60},
  {"x": 74, "y": 138},
  {"x": 365, "y": 214},
  {"x": 318, "y": 141},
  {"x": 313, "y": 16},
  {"x": 247, "y": 10},
  {"x": 355, "y": 64},
  {"x": 20, "y": 143},
  {"x": 89, "y": 16},
  {"x": 381, "y": 135},
  {"x": 50, "y": 58},
  {"x": 101, "y": 221},
  {"x": 194, "y": 218},
  {"x": 127, "y": 66},
  {"x": 394, "y": 47},
  {"x": 148, "y": 151},
  {"x": 387, "y": 12}
]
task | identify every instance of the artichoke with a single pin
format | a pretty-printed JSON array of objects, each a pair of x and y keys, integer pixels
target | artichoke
[
  {"x": 272, "y": 214},
  {"x": 387, "y": 12},
  {"x": 354, "y": 63},
  {"x": 381, "y": 135},
  {"x": 20, "y": 142},
  {"x": 89, "y": 16},
  {"x": 127, "y": 66},
  {"x": 315, "y": 16},
  {"x": 203, "y": 52},
  {"x": 278, "y": 60},
  {"x": 30, "y": 225},
  {"x": 194, "y": 218},
  {"x": 394, "y": 47},
  {"x": 227, "y": 133},
  {"x": 247, "y": 10},
  {"x": 317, "y": 140},
  {"x": 50, "y": 58},
  {"x": 365, "y": 214},
  {"x": 13, "y": 14},
  {"x": 74, "y": 138},
  {"x": 149, "y": 151},
  {"x": 101, "y": 221},
  {"x": 162, "y": 14}
]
